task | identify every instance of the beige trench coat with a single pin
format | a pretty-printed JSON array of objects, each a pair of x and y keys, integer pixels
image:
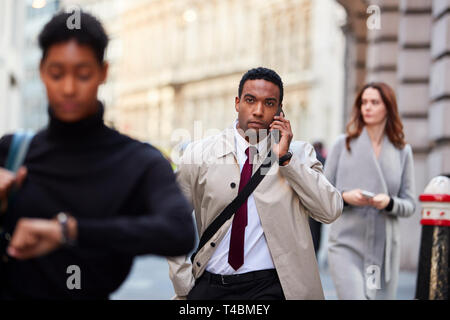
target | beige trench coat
[{"x": 284, "y": 200}]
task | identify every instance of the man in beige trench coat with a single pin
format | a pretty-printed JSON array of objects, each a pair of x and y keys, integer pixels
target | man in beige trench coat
[{"x": 277, "y": 259}]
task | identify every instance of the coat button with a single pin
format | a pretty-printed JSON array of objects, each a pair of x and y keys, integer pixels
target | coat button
[
  {"x": 198, "y": 264},
  {"x": 233, "y": 185},
  {"x": 213, "y": 244}
]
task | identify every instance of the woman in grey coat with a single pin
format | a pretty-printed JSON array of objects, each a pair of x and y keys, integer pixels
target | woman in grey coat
[{"x": 372, "y": 167}]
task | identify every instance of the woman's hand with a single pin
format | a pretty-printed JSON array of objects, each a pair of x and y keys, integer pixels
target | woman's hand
[
  {"x": 34, "y": 238},
  {"x": 380, "y": 201},
  {"x": 355, "y": 198}
]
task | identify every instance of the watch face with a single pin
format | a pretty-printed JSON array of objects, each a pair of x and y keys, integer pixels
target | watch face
[{"x": 62, "y": 217}]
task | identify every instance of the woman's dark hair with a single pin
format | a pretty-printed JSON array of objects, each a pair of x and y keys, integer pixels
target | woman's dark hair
[
  {"x": 264, "y": 74},
  {"x": 90, "y": 32},
  {"x": 394, "y": 126}
]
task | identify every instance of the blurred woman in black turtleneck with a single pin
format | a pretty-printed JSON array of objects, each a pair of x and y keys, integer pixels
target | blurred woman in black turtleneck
[{"x": 119, "y": 196}]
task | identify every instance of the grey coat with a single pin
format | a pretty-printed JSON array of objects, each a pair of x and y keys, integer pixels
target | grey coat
[{"x": 365, "y": 236}]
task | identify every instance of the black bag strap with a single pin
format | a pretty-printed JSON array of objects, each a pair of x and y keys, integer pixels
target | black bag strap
[
  {"x": 228, "y": 212},
  {"x": 17, "y": 152},
  {"x": 16, "y": 155}
]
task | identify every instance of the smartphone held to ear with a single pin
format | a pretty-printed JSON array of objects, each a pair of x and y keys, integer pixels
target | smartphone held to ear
[{"x": 276, "y": 132}]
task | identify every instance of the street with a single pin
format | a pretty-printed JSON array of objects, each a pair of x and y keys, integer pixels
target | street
[{"x": 149, "y": 280}]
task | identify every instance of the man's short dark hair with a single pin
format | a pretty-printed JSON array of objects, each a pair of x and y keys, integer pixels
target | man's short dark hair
[
  {"x": 90, "y": 33},
  {"x": 264, "y": 74}
]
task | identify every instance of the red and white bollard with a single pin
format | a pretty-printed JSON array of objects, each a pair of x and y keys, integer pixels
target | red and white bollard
[{"x": 433, "y": 275}]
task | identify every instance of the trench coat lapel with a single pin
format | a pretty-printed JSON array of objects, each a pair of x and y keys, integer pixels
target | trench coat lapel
[{"x": 227, "y": 146}]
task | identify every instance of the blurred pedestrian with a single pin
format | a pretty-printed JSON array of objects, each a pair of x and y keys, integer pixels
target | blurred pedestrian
[
  {"x": 264, "y": 249},
  {"x": 372, "y": 166},
  {"x": 320, "y": 151},
  {"x": 91, "y": 199},
  {"x": 314, "y": 225}
]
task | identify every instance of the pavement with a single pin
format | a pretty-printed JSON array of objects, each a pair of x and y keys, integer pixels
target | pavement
[
  {"x": 405, "y": 291},
  {"x": 149, "y": 280}
]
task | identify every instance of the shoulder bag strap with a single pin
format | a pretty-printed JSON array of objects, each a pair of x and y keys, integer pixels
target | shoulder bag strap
[{"x": 17, "y": 152}]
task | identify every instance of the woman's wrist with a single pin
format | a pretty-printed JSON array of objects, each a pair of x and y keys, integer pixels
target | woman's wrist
[
  {"x": 68, "y": 228},
  {"x": 390, "y": 205}
]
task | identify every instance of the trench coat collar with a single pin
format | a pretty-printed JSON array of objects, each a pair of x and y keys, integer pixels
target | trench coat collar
[{"x": 226, "y": 144}]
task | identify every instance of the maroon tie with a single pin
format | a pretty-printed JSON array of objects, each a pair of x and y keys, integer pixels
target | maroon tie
[{"x": 236, "y": 253}]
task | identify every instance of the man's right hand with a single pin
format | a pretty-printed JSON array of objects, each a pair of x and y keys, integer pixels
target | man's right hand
[
  {"x": 355, "y": 198},
  {"x": 7, "y": 180}
]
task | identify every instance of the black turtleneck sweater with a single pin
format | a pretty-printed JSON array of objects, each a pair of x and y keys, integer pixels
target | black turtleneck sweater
[{"x": 123, "y": 194}]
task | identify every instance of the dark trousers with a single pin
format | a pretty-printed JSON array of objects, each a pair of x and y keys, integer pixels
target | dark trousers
[{"x": 257, "y": 285}]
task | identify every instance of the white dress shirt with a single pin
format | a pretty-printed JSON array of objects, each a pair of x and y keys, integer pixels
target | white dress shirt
[{"x": 256, "y": 252}]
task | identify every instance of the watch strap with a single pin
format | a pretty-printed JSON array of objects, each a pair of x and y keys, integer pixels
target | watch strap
[
  {"x": 285, "y": 158},
  {"x": 63, "y": 219}
]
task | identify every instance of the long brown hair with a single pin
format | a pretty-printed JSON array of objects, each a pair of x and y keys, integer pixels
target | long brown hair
[{"x": 394, "y": 126}]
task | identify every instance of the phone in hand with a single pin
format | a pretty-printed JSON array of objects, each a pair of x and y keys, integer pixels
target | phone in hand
[
  {"x": 276, "y": 132},
  {"x": 367, "y": 194}
]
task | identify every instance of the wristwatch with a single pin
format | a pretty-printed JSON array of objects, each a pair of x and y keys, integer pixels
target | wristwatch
[
  {"x": 63, "y": 218},
  {"x": 285, "y": 158}
]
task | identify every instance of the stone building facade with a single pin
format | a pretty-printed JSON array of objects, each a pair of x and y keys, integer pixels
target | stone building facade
[
  {"x": 12, "y": 16},
  {"x": 34, "y": 98},
  {"x": 110, "y": 13},
  {"x": 182, "y": 62}
]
